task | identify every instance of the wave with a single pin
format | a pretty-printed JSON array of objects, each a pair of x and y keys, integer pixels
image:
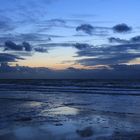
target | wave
[{"x": 72, "y": 86}]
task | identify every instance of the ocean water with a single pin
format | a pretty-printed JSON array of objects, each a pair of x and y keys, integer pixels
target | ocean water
[{"x": 62, "y": 107}]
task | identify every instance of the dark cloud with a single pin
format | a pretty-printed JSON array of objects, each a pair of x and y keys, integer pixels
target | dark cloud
[
  {"x": 87, "y": 28},
  {"x": 93, "y": 30},
  {"x": 4, "y": 57},
  {"x": 72, "y": 69},
  {"x": 117, "y": 40},
  {"x": 9, "y": 45},
  {"x": 49, "y": 45},
  {"x": 4, "y": 67},
  {"x": 56, "y": 22},
  {"x": 135, "y": 39},
  {"x": 122, "y": 28},
  {"x": 81, "y": 46},
  {"x": 108, "y": 60},
  {"x": 41, "y": 50},
  {"x": 108, "y": 55},
  {"x": 25, "y": 46}
]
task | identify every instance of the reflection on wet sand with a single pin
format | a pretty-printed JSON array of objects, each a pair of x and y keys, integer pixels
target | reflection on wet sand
[
  {"x": 73, "y": 124},
  {"x": 64, "y": 110}
]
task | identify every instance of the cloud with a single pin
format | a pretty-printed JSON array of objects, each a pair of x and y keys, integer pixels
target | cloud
[
  {"x": 93, "y": 30},
  {"x": 108, "y": 55},
  {"x": 25, "y": 46},
  {"x": 41, "y": 50},
  {"x": 135, "y": 39},
  {"x": 28, "y": 37},
  {"x": 56, "y": 22},
  {"x": 49, "y": 45},
  {"x": 87, "y": 28},
  {"x": 108, "y": 60},
  {"x": 4, "y": 57},
  {"x": 9, "y": 45},
  {"x": 81, "y": 46},
  {"x": 122, "y": 28},
  {"x": 117, "y": 40}
]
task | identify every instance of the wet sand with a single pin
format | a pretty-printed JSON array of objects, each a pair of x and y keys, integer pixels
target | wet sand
[
  {"x": 71, "y": 123},
  {"x": 61, "y": 115}
]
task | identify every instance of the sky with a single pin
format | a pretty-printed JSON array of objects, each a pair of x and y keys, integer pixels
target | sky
[{"x": 69, "y": 35}]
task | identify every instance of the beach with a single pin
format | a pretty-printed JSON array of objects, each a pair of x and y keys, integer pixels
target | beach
[{"x": 69, "y": 110}]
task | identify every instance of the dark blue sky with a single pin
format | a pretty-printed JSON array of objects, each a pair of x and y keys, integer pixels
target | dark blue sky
[{"x": 59, "y": 34}]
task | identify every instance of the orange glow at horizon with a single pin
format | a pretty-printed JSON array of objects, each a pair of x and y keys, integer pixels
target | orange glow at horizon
[
  {"x": 60, "y": 58},
  {"x": 135, "y": 61}
]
